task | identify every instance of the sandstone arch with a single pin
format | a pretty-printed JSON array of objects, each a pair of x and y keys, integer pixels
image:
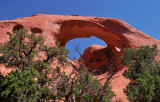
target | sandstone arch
[
  {"x": 116, "y": 33},
  {"x": 80, "y": 28},
  {"x": 83, "y": 29}
]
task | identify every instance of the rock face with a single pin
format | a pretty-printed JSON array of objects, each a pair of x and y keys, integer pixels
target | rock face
[{"x": 116, "y": 33}]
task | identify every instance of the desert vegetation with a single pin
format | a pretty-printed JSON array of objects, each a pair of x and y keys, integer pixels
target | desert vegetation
[
  {"x": 144, "y": 73},
  {"x": 34, "y": 80}
]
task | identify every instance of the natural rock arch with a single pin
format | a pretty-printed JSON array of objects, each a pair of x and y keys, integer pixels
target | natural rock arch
[
  {"x": 84, "y": 29},
  {"x": 77, "y": 29}
]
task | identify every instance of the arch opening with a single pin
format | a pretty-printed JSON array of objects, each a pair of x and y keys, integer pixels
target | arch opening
[
  {"x": 82, "y": 44},
  {"x": 94, "y": 52}
]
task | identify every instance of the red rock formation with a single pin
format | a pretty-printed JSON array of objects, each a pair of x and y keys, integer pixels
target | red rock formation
[{"x": 116, "y": 33}]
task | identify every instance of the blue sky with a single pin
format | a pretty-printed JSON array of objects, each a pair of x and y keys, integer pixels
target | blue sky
[{"x": 143, "y": 15}]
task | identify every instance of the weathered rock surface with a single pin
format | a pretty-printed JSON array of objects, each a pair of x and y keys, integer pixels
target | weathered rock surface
[{"x": 116, "y": 33}]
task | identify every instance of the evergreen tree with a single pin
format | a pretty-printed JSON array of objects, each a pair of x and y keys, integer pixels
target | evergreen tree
[
  {"x": 144, "y": 73},
  {"x": 21, "y": 86},
  {"x": 82, "y": 87},
  {"x": 29, "y": 81}
]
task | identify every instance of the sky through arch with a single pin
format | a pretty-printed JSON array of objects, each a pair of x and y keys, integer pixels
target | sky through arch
[{"x": 82, "y": 43}]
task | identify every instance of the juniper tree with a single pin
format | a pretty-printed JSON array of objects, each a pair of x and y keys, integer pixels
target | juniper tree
[
  {"x": 144, "y": 73},
  {"x": 82, "y": 87},
  {"x": 29, "y": 81}
]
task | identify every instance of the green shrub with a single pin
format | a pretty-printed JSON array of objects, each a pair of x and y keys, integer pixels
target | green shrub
[{"x": 144, "y": 73}]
